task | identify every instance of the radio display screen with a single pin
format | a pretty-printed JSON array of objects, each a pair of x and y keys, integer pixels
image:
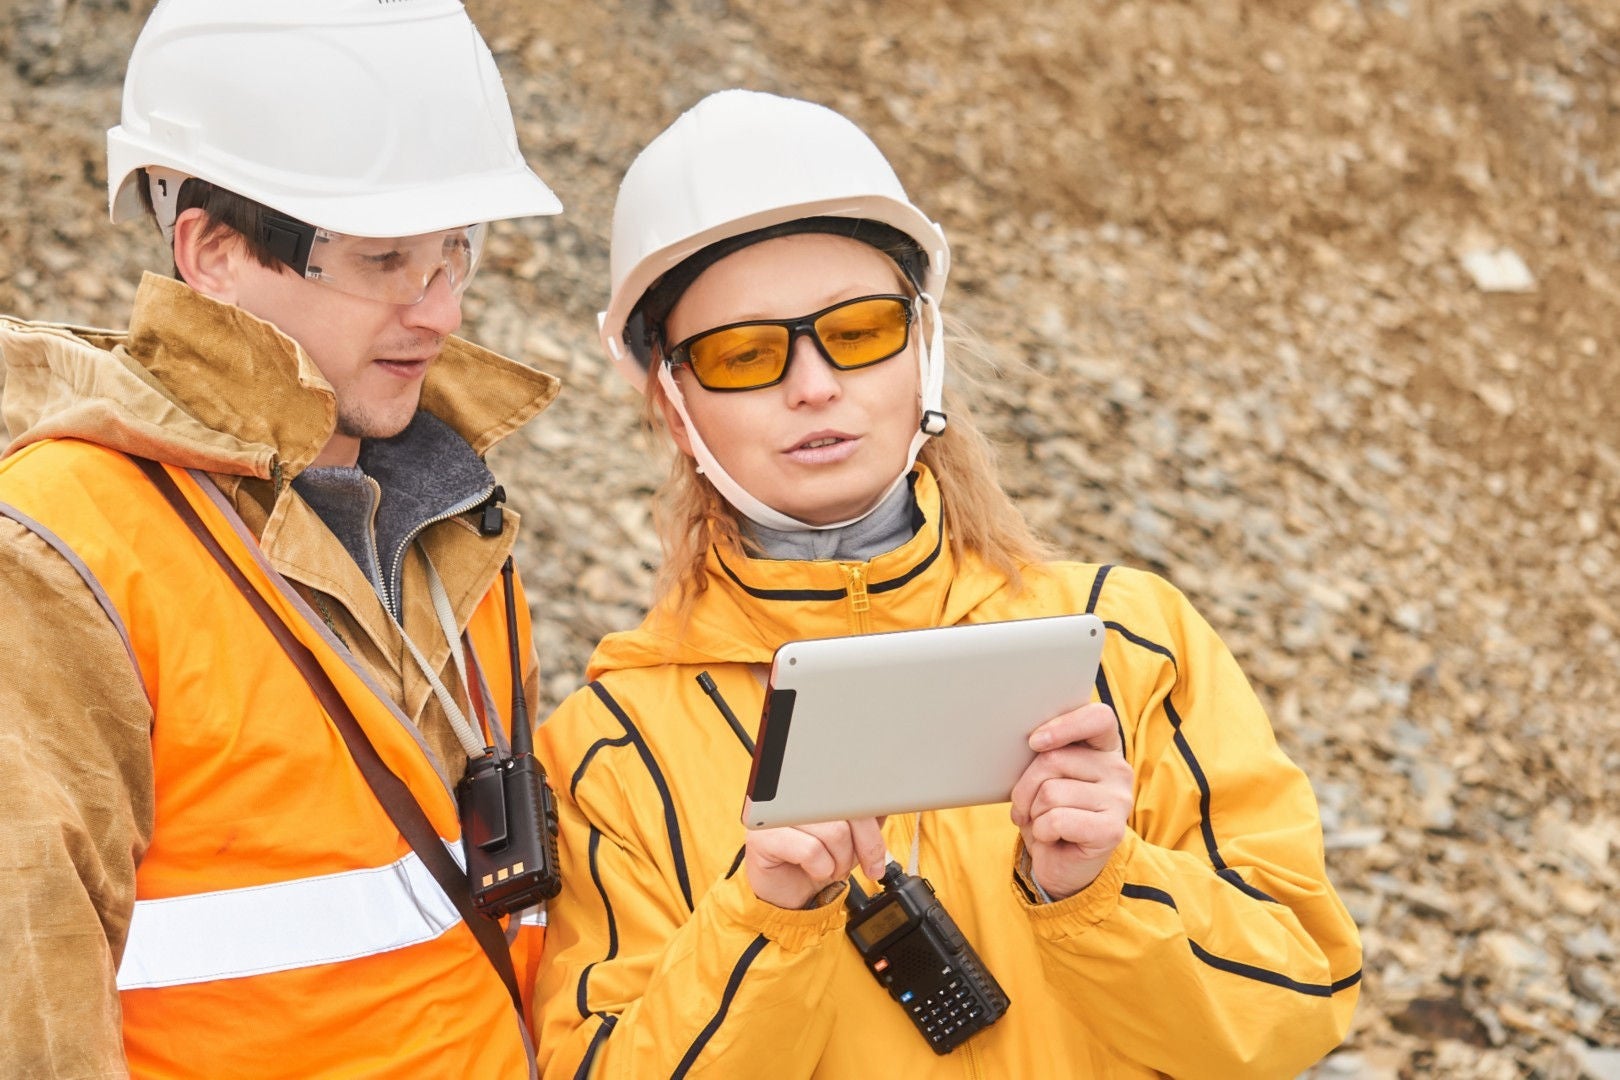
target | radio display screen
[{"x": 887, "y": 920}]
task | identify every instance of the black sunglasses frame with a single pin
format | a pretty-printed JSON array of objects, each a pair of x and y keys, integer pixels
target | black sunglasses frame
[{"x": 681, "y": 354}]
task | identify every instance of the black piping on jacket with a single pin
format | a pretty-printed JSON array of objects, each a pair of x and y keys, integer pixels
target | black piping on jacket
[
  {"x": 1206, "y": 828},
  {"x": 810, "y": 595},
  {"x": 671, "y": 825},
  {"x": 633, "y": 736}
]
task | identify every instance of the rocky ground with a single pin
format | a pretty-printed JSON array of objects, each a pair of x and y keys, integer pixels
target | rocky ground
[{"x": 1311, "y": 305}]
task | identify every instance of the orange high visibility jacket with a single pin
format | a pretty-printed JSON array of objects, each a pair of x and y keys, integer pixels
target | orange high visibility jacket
[{"x": 280, "y": 917}]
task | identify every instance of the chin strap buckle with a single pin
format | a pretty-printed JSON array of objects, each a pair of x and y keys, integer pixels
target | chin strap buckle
[{"x": 933, "y": 423}]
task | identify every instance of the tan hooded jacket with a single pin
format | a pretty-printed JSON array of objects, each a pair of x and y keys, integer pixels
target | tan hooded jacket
[{"x": 206, "y": 386}]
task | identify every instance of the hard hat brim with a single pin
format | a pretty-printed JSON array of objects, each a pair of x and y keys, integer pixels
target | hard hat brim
[{"x": 405, "y": 211}]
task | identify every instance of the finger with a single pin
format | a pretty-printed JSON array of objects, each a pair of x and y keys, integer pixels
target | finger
[
  {"x": 870, "y": 850},
  {"x": 1024, "y": 789},
  {"x": 1061, "y": 793},
  {"x": 1092, "y": 833},
  {"x": 839, "y": 840},
  {"x": 1081, "y": 763},
  {"x": 1094, "y": 724},
  {"x": 1019, "y": 811},
  {"x": 798, "y": 847}
]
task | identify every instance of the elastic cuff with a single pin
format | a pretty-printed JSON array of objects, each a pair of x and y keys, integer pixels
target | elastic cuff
[
  {"x": 1092, "y": 904},
  {"x": 1023, "y": 870},
  {"x": 791, "y": 930}
]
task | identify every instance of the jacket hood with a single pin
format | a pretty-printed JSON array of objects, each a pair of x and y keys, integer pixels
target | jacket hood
[
  {"x": 206, "y": 385},
  {"x": 752, "y": 606}
]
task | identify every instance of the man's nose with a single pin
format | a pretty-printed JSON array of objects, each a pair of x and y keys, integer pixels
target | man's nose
[{"x": 439, "y": 310}]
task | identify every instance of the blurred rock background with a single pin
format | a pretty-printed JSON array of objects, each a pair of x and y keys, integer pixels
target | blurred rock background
[{"x": 1311, "y": 305}]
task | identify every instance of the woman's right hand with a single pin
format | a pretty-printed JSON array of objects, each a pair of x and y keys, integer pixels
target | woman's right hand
[{"x": 788, "y": 866}]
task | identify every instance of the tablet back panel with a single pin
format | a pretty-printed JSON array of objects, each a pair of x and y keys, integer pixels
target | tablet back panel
[{"x": 913, "y": 719}]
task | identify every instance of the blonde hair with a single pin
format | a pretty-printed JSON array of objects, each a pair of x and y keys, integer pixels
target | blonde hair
[{"x": 691, "y": 515}]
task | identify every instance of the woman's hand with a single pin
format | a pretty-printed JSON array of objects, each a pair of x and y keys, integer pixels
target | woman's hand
[
  {"x": 788, "y": 866},
  {"x": 1072, "y": 802}
]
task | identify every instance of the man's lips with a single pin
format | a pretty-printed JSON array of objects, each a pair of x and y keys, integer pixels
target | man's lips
[{"x": 405, "y": 365}]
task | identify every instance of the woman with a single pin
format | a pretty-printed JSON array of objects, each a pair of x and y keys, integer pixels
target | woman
[{"x": 1153, "y": 900}]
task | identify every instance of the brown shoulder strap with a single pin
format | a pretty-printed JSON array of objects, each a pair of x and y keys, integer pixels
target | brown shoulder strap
[{"x": 401, "y": 806}]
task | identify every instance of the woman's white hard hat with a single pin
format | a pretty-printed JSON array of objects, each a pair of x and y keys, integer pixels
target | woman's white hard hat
[
  {"x": 740, "y": 161},
  {"x": 358, "y": 116},
  {"x": 736, "y": 163}
]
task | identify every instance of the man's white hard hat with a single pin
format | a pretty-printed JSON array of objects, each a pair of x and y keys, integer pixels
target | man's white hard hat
[
  {"x": 365, "y": 117},
  {"x": 736, "y": 162}
]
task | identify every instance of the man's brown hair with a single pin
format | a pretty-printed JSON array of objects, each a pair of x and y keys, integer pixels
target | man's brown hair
[{"x": 224, "y": 210}]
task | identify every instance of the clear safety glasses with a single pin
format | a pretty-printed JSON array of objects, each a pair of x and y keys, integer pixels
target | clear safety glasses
[
  {"x": 751, "y": 355},
  {"x": 394, "y": 270}
]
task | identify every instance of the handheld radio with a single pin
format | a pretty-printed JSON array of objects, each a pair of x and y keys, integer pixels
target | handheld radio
[
  {"x": 911, "y": 945},
  {"x": 508, "y": 814},
  {"x": 914, "y": 949}
]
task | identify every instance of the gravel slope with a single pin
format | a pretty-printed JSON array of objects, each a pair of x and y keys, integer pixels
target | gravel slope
[{"x": 1229, "y": 254}]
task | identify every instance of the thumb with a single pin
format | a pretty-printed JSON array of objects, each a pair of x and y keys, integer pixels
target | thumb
[{"x": 870, "y": 849}]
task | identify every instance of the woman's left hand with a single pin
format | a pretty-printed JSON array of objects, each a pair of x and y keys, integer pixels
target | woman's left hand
[{"x": 1072, "y": 802}]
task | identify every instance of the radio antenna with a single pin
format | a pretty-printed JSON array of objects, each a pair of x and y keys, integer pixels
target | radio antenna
[{"x": 522, "y": 736}]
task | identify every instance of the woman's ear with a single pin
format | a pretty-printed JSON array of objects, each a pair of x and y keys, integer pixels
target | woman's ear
[
  {"x": 676, "y": 424},
  {"x": 207, "y": 260}
]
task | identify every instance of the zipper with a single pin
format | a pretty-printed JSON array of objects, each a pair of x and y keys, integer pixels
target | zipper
[
  {"x": 393, "y": 569},
  {"x": 860, "y": 602},
  {"x": 974, "y": 1068}
]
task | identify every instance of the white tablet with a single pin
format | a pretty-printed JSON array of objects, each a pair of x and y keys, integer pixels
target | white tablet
[{"x": 914, "y": 719}]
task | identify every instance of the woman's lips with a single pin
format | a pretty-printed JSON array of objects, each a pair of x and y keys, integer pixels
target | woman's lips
[{"x": 824, "y": 448}]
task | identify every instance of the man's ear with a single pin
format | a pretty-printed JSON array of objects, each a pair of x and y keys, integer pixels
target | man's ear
[
  {"x": 675, "y": 422},
  {"x": 207, "y": 260}
]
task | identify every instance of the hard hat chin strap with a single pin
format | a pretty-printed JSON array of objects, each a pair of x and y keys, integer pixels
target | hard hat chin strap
[
  {"x": 933, "y": 376},
  {"x": 931, "y": 392}
]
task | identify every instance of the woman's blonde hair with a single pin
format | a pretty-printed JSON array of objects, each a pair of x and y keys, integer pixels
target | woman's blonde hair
[{"x": 981, "y": 519}]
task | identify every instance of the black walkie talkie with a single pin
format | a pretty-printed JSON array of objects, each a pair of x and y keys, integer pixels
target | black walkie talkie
[
  {"x": 913, "y": 948},
  {"x": 508, "y": 815}
]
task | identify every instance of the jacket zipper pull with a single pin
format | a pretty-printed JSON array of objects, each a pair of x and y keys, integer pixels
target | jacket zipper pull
[
  {"x": 493, "y": 517},
  {"x": 860, "y": 602}
]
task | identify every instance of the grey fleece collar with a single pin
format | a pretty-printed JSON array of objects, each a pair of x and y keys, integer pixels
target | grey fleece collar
[
  {"x": 895, "y": 521},
  {"x": 402, "y": 485}
]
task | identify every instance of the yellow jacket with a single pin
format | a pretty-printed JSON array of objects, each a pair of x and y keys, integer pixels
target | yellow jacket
[
  {"x": 1211, "y": 945},
  {"x": 163, "y": 762}
]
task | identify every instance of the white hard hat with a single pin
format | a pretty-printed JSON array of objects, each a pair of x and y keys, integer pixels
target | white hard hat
[
  {"x": 740, "y": 161},
  {"x": 365, "y": 117},
  {"x": 734, "y": 167}
]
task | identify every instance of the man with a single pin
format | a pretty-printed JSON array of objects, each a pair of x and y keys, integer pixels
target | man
[{"x": 197, "y": 876}]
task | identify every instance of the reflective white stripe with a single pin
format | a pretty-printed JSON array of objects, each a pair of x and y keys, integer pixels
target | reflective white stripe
[
  {"x": 535, "y": 916},
  {"x": 292, "y": 924}
]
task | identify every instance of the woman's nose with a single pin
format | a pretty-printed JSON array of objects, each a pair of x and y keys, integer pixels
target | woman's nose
[{"x": 811, "y": 379}]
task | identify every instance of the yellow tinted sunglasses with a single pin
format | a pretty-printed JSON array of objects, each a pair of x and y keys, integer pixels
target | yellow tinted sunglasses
[{"x": 752, "y": 355}]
